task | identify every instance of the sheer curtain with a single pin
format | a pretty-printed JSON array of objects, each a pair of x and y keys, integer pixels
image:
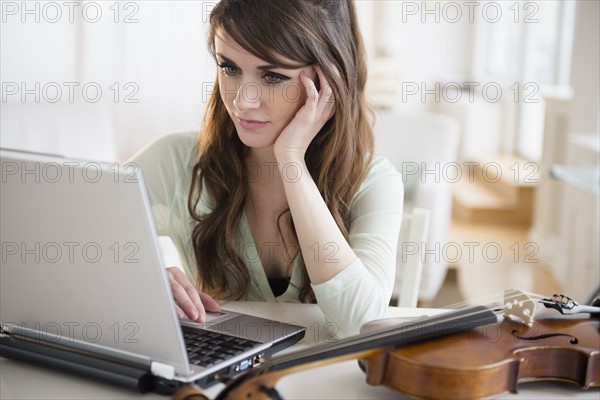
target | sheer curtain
[
  {"x": 99, "y": 79},
  {"x": 528, "y": 52}
]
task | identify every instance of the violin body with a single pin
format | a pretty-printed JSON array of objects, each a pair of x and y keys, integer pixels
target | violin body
[{"x": 490, "y": 360}]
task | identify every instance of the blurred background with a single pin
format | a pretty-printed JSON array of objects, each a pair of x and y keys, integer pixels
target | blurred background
[{"x": 490, "y": 109}]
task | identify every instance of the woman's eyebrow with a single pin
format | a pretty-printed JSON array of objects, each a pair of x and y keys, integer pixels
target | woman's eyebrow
[{"x": 260, "y": 67}]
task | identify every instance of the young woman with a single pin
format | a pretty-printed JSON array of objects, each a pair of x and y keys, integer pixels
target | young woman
[{"x": 281, "y": 197}]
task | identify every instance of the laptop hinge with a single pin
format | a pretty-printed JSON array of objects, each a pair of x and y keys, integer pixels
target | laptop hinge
[{"x": 162, "y": 370}]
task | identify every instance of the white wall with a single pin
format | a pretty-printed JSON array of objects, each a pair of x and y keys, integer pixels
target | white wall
[
  {"x": 585, "y": 79},
  {"x": 143, "y": 64},
  {"x": 426, "y": 42}
]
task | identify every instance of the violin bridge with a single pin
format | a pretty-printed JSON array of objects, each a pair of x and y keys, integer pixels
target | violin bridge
[{"x": 519, "y": 307}]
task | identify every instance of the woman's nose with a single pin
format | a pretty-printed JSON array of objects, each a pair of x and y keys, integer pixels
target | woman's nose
[{"x": 248, "y": 96}]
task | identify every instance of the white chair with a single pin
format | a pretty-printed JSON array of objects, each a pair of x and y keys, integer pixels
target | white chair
[
  {"x": 421, "y": 146},
  {"x": 409, "y": 262}
]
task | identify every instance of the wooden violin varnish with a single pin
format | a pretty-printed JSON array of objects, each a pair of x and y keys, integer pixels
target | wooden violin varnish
[{"x": 490, "y": 360}]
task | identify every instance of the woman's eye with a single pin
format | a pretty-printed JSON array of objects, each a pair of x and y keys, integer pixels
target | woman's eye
[
  {"x": 273, "y": 78},
  {"x": 227, "y": 69}
]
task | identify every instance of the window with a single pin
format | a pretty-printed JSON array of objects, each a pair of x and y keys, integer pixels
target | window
[{"x": 528, "y": 50}]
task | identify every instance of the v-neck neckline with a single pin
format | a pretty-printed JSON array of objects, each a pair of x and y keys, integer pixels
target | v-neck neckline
[{"x": 257, "y": 266}]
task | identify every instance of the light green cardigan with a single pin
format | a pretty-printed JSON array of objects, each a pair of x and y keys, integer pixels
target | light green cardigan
[{"x": 358, "y": 294}]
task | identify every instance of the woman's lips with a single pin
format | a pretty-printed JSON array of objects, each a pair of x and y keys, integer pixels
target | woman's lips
[{"x": 251, "y": 125}]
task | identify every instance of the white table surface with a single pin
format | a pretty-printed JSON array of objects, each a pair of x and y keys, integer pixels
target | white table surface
[{"x": 343, "y": 380}]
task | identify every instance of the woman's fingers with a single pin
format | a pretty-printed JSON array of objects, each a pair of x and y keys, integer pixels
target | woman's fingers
[
  {"x": 317, "y": 109},
  {"x": 326, "y": 91},
  {"x": 312, "y": 94},
  {"x": 209, "y": 303},
  {"x": 321, "y": 102},
  {"x": 186, "y": 296},
  {"x": 180, "y": 313},
  {"x": 326, "y": 96}
]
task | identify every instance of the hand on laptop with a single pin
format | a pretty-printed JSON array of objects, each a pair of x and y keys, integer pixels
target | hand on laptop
[{"x": 189, "y": 301}]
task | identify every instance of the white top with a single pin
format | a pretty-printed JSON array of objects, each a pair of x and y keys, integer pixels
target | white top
[{"x": 358, "y": 294}]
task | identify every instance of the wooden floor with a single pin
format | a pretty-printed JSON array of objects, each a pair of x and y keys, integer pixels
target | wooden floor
[{"x": 487, "y": 258}]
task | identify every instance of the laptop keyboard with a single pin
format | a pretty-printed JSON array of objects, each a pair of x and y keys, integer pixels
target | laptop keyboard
[{"x": 206, "y": 348}]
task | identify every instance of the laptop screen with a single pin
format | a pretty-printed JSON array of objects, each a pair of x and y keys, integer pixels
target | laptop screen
[{"x": 80, "y": 261}]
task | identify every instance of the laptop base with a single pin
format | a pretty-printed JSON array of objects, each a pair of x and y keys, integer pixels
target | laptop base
[{"x": 134, "y": 377}]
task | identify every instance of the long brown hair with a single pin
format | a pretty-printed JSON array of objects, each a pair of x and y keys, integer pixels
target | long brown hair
[{"x": 308, "y": 32}]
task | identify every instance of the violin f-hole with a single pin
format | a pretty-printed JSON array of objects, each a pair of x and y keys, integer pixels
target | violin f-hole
[{"x": 572, "y": 340}]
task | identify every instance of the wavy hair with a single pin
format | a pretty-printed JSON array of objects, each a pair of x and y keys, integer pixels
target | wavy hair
[{"x": 322, "y": 32}]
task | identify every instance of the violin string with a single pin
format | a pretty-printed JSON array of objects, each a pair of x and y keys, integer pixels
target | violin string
[
  {"x": 499, "y": 299},
  {"x": 486, "y": 299}
]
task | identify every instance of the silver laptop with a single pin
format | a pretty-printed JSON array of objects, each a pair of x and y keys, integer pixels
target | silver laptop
[{"x": 83, "y": 287}]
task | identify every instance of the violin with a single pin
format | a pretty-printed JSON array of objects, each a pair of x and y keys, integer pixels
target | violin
[{"x": 472, "y": 352}]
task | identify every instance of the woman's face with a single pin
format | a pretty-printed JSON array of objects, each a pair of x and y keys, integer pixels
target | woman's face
[{"x": 261, "y": 99}]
